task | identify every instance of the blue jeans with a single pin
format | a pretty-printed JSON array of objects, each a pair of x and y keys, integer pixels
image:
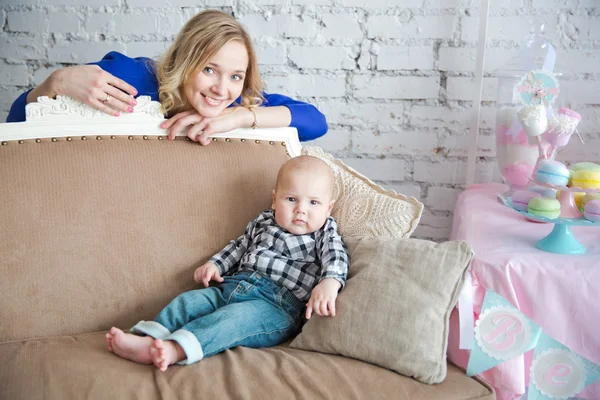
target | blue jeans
[{"x": 247, "y": 309}]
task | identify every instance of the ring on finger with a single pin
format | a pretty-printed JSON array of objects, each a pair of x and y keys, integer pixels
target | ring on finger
[{"x": 106, "y": 99}]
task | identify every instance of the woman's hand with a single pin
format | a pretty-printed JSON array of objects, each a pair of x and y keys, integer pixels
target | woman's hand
[
  {"x": 206, "y": 273},
  {"x": 322, "y": 298},
  {"x": 91, "y": 85},
  {"x": 199, "y": 127}
]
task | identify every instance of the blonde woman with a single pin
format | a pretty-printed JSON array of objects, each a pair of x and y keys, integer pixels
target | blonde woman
[{"x": 209, "y": 69}]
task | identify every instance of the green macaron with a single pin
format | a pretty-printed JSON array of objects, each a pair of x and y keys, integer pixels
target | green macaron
[{"x": 544, "y": 207}]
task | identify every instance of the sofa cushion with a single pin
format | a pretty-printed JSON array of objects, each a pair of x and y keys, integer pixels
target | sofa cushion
[
  {"x": 395, "y": 309},
  {"x": 365, "y": 209},
  {"x": 80, "y": 367}
]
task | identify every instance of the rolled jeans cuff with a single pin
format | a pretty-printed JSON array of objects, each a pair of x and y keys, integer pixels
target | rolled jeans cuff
[
  {"x": 151, "y": 328},
  {"x": 190, "y": 345}
]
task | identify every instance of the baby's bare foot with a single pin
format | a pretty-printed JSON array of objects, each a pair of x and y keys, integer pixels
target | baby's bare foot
[
  {"x": 165, "y": 353},
  {"x": 128, "y": 346}
]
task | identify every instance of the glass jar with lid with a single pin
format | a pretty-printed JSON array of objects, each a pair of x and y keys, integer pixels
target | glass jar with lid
[{"x": 533, "y": 76}]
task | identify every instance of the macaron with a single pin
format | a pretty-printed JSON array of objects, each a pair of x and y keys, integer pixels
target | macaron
[
  {"x": 584, "y": 166},
  {"x": 586, "y": 179},
  {"x": 543, "y": 190},
  {"x": 588, "y": 197},
  {"x": 552, "y": 172},
  {"x": 520, "y": 199},
  {"x": 591, "y": 211},
  {"x": 544, "y": 207}
]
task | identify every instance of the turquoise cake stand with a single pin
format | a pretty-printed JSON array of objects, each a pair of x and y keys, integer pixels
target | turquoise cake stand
[{"x": 561, "y": 240}]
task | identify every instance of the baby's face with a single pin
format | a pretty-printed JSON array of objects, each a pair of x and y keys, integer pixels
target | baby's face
[{"x": 302, "y": 202}]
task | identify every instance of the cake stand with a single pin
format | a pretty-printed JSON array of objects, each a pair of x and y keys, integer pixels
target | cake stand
[{"x": 561, "y": 240}]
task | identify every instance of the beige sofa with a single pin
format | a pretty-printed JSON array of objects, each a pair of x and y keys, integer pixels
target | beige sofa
[{"x": 103, "y": 221}]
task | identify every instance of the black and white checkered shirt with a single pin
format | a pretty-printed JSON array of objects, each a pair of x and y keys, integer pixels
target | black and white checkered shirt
[{"x": 297, "y": 262}]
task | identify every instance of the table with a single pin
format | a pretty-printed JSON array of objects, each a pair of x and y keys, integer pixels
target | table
[{"x": 561, "y": 293}]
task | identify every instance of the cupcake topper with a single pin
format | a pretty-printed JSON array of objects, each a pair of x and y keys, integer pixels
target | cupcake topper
[
  {"x": 535, "y": 122},
  {"x": 537, "y": 87},
  {"x": 560, "y": 129}
]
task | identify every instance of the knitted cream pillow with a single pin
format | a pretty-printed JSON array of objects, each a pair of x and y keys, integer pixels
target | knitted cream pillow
[{"x": 365, "y": 209}]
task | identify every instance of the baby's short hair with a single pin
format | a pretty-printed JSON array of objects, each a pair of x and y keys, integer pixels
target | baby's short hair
[{"x": 305, "y": 163}]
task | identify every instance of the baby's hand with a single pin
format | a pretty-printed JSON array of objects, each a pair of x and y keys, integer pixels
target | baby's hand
[
  {"x": 206, "y": 273},
  {"x": 322, "y": 298}
]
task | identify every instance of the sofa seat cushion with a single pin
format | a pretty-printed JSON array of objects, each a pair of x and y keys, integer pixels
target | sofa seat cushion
[{"x": 80, "y": 367}]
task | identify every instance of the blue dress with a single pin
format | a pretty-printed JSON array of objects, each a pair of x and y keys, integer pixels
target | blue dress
[{"x": 138, "y": 72}]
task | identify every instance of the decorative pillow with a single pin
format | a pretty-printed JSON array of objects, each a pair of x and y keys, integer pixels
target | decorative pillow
[
  {"x": 395, "y": 309},
  {"x": 365, "y": 209}
]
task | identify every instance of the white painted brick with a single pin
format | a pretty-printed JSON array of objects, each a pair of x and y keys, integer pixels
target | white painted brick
[
  {"x": 99, "y": 22},
  {"x": 442, "y": 198},
  {"x": 405, "y": 57},
  {"x": 335, "y": 140},
  {"x": 422, "y": 27},
  {"x": 590, "y": 121},
  {"x": 588, "y": 27},
  {"x": 362, "y": 115},
  {"x": 463, "y": 59},
  {"x": 580, "y": 61},
  {"x": 475, "y": 3},
  {"x": 457, "y": 117},
  {"x": 146, "y": 49},
  {"x": 383, "y": 4},
  {"x": 215, "y": 3},
  {"x": 296, "y": 85},
  {"x": 458, "y": 145},
  {"x": 279, "y": 26},
  {"x": 11, "y": 74},
  {"x": 271, "y": 53},
  {"x": 312, "y": 2},
  {"x": 91, "y": 3},
  {"x": 407, "y": 189},
  {"x": 460, "y": 88},
  {"x": 158, "y": 3},
  {"x": 133, "y": 23},
  {"x": 7, "y": 96},
  {"x": 505, "y": 27},
  {"x": 170, "y": 24},
  {"x": 341, "y": 26},
  {"x": 401, "y": 87},
  {"x": 63, "y": 22},
  {"x": 82, "y": 52},
  {"x": 386, "y": 169},
  {"x": 42, "y": 73},
  {"x": 27, "y": 21},
  {"x": 433, "y": 227},
  {"x": 388, "y": 143},
  {"x": 549, "y": 4},
  {"x": 452, "y": 172},
  {"x": 326, "y": 57},
  {"x": 22, "y": 48},
  {"x": 584, "y": 92},
  {"x": 575, "y": 151}
]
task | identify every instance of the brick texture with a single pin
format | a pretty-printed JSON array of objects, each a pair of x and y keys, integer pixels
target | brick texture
[{"x": 395, "y": 79}]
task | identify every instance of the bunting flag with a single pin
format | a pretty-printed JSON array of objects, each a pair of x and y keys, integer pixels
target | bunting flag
[
  {"x": 557, "y": 372},
  {"x": 501, "y": 333}
]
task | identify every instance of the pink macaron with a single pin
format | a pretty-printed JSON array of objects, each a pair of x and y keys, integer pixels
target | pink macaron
[
  {"x": 591, "y": 211},
  {"x": 520, "y": 199}
]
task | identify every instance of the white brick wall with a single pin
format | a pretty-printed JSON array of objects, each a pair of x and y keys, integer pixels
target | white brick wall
[{"x": 393, "y": 77}]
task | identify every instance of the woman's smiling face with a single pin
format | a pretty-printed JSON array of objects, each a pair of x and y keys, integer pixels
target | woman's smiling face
[{"x": 220, "y": 82}]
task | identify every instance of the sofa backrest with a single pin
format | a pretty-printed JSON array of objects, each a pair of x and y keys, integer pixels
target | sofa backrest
[{"x": 105, "y": 230}]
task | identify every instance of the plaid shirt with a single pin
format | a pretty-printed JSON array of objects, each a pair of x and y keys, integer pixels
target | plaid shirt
[{"x": 297, "y": 262}]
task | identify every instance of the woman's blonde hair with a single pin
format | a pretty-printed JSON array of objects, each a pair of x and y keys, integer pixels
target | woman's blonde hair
[{"x": 197, "y": 42}]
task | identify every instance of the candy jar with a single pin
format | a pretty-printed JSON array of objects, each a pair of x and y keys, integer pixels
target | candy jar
[{"x": 531, "y": 88}]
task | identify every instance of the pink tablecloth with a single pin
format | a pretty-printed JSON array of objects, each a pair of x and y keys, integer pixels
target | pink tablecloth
[{"x": 560, "y": 293}]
